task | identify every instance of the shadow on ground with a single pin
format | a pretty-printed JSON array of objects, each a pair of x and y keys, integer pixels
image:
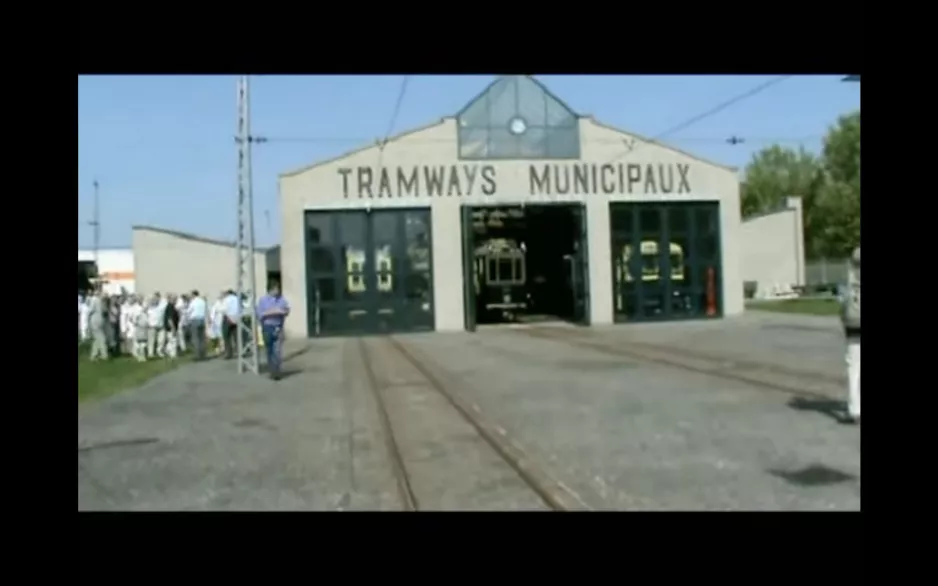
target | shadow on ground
[
  {"x": 813, "y": 475},
  {"x": 286, "y": 372},
  {"x": 829, "y": 407}
]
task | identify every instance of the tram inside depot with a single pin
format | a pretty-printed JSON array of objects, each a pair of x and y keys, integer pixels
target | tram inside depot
[{"x": 525, "y": 263}]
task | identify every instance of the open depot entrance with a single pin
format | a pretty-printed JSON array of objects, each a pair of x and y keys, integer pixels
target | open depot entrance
[{"x": 525, "y": 263}]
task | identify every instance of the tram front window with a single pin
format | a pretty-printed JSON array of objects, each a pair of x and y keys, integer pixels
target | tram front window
[
  {"x": 506, "y": 270},
  {"x": 650, "y": 266}
]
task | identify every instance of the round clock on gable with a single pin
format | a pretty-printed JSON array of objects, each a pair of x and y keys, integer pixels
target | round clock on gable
[{"x": 517, "y": 125}]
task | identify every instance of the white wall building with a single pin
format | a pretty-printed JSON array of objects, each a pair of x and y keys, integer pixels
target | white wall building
[
  {"x": 168, "y": 261},
  {"x": 382, "y": 239},
  {"x": 772, "y": 250},
  {"x": 115, "y": 267}
]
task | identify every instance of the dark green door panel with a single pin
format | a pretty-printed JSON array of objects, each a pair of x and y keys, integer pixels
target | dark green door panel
[
  {"x": 579, "y": 269},
  {"x": 469, "y": 271},
  {"x": 369, "y": 272}
]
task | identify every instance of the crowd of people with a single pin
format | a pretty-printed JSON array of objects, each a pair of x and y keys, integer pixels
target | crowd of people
[
  {"x": 158, "y": 326},
  {"x": 165, "y": 326}
]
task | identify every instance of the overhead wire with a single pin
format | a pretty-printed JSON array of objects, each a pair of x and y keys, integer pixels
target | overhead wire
[
  {"x": 394, "y": 114},
  {"x": 732, "y": 140},
  {"x": 705, "y": 114},
  {"x": 397, "y": 107},
  {"x": 359, "y": 140},
  {"x": 724, "y": 105}
]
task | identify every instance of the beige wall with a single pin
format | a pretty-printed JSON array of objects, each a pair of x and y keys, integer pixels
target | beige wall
[
  {"x": 320, "y": 187},
  {"x": 772, "y": 248},
  {"x": 172, "y": 263}
]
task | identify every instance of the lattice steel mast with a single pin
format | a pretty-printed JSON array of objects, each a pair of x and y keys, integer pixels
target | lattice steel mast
[
  {"x": 95, "y": 224},
  {"x": 245, "y": 277}
]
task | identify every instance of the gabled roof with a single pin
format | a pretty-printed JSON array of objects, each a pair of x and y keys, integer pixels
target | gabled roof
[
  {"x": 504, "y": 78},
  {"x": 196, "y": 238},
  {"x": 487, "y": 88}
]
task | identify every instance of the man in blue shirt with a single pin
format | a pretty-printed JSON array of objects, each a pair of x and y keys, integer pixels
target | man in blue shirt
[
  {"x": 272, "y": 310},
  {"x": 195, "y": 315}
]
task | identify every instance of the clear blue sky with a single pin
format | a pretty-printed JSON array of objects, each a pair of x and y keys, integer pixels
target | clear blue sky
[{"x": 162, "y": 147}]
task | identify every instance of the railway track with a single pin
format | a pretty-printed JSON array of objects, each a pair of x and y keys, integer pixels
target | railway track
[
  {"x": 738, "y": 362},
  {"x": 793, "y": 382},
  {"x": 443, "y": 452}
]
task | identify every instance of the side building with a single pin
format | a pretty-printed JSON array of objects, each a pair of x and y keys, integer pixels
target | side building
[
  {"x": 168, "y": 261},
  {"x": 517, "y": 208},
  {"x": 773, "y": 257},
  {"x": 113, "y": 266}
]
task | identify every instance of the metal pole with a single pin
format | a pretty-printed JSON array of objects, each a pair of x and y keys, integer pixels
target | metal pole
[
  {"x": 245, "y": 276},
  {"x": 249, "y": 202},
  {"x": 95, "y": 223},
  {"x": 318, "y": 311}
]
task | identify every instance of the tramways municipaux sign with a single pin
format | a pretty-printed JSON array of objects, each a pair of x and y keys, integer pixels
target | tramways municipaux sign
[{"x": 466, "y": 180}]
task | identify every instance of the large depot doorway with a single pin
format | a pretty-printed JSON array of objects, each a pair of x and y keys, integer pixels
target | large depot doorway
[
  {"x": 369, "y": 271},
  {"x": 525, "y": 264},
  {"x": 666, "y": 261}
]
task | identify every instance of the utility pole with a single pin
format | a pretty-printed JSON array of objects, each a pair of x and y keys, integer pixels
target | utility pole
[
  {"x": 95, "y": 224},
  {"x": 245, "y": 276}
]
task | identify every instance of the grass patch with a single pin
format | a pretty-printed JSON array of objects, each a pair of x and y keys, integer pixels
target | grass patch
[
  {"x": 803, "y": 306},
  {"x": 97, "y": 380}
]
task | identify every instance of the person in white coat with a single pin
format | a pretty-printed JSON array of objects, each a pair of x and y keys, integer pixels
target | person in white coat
[
  {"x": 97, "y": 322},
  {"x": 126, "y": 324},
  {"x": 83, "y": 312},
  {"x": 156, "y": 334},
  {"x": 850, "y": 316},
  {"x": 182, "y": 305},
  {"x": 137, "y": 331},
  {"x": 216, "y": 321}
]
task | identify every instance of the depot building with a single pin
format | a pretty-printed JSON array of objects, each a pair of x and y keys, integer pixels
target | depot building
[{"x": 516, "y": 209}]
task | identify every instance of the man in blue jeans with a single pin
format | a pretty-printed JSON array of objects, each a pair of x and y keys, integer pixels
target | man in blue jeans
[{"x": 272, "y": 310}]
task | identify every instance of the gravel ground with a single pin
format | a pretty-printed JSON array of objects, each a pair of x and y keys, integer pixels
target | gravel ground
[
  {"x": 621, "y": 434},
  {"x": 806, "y": 342},
  {"x": 449, "y": 464},
  {"x": 628, "y": 435},
  {"x": 205, "y": 438}
]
